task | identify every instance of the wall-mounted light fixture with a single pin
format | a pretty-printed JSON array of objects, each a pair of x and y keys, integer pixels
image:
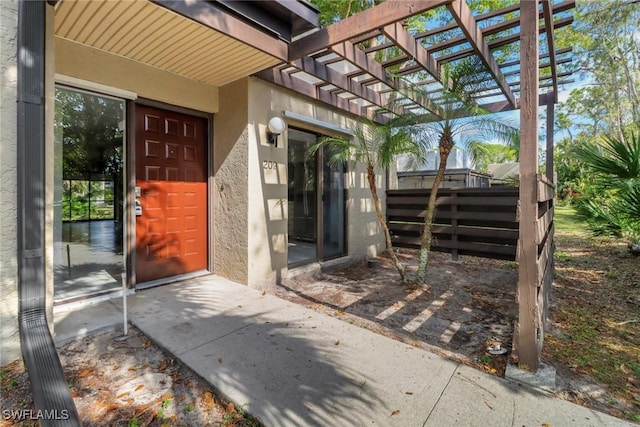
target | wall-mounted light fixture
[{"x": 276, "y": 127}]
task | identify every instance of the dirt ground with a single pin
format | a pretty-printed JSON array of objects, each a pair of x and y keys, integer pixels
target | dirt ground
[
  {"x": 465, "y": 313},
  {"x": 468, "y": 309},
  {"x": 129, "y": 383}
]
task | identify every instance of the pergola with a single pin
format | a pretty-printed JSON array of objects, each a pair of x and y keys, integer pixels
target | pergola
[{"x": 360, "y": 64}]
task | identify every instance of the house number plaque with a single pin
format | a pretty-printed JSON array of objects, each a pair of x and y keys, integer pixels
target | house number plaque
[{"x": 269, "y": 164}]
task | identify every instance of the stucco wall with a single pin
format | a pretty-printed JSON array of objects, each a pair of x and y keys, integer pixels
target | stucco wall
[
  {"x": 83, "y": 62},
  {"x": 230, "y": 184},
  {"x": 267, "y": 205},
  {"x": 9, "y": 339}
]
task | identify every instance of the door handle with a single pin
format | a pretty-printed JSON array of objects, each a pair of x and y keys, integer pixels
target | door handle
[{"x": 138, "y": 208}]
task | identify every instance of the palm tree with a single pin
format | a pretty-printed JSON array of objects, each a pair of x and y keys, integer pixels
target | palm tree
[
  {"x": 376, "y": 146},
  {"x": 613, "y": 204},
  {"x": 463, "y": 121}
]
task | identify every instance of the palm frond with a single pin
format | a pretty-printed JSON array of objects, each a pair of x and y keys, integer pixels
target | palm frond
[
  {"x": 615, "y": 157},
  {"x": 630, "y": 202},
  {"x": 340, "y": 149},
  {"x": 600, "y": 219}
]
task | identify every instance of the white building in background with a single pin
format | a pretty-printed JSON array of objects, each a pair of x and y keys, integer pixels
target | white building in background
[{"x": 460, "y": 172}]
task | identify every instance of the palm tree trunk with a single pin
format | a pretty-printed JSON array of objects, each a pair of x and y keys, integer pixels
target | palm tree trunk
[
  {"x": 446, "y": 144},
  {"x": 371, "y": 178}
]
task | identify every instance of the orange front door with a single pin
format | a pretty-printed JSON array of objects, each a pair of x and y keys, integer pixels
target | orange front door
[{"x": 171, "y": 190}]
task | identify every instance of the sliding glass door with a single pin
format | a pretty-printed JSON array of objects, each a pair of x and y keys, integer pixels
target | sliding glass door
[
  {"x": 316, "y": 202},
  {"x": 333, "y": 209},
  {"x": 88, "y": 194}
]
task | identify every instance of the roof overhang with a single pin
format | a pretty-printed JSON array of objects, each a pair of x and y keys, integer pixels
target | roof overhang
[{"x": 203, "y": 41}]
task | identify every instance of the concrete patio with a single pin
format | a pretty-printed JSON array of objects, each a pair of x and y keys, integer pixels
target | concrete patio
[{"x": 292, "y": 366}]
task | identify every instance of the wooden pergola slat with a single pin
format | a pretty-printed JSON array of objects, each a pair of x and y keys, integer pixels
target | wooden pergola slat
[
  {"x": 354, "y": 55},
  {"x": 411, "y": 47},
  {"x": 463, "y": 16},
  {"x": 362, "y": 23},
  {"x": 338, "y": 79}
]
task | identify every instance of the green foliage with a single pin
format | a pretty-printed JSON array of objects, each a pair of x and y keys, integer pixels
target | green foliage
[
  {"x": 376, "y": 145},
  {"x": 611, "y": 201},
  {"x": 332, "y": 11},
  {"x": 79, "y": 202},
  {"x": 607, "y": 54},
  {"x": 89, "y": 129},
  {"x": 487, "y": 153}
]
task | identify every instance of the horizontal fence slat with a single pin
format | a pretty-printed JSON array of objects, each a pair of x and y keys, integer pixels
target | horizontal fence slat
[
  {"x": 481, "y": 249},
  {"x": 542, "y": 226},
  {"x": 546, "y": 189},
  {"x": 460, "y": 230},
  {"x": 486, "y": 201},
  {"x": 545, "y": 254},
  {"x": 469, "y": 221},
  {"x": 441, "y": 214}
]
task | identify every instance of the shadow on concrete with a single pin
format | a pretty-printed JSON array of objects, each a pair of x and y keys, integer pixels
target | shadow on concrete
[{"x": 254, "y": 358}]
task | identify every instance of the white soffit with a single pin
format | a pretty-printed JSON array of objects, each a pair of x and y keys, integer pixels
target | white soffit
[{"x": 155, "y": 36}]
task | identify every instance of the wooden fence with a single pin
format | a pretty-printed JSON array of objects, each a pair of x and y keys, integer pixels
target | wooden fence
[
  {"x": 535, "y": 275},
  {"x": 469, "y": 221},
  {"x": 486, "y": 222}
]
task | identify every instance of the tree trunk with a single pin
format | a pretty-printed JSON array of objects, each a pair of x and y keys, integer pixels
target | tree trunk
[
  {"x": 371, "y": 178},
  {"x": 446, "y": 145}
]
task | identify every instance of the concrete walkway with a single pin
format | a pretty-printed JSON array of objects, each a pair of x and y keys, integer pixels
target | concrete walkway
[{"x": 292, "y": 366}]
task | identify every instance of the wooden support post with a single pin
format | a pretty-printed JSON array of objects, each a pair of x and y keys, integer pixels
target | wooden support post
[
  {"x": 529, "y": 330},
  {"x": 549, "y": 154},
  {"x": 454, "y": 227}
]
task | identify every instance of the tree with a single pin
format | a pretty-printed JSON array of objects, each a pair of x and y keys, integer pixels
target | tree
[
  {"x": 376, "y": 146},
  {"x": 607, "y": 54},
  {"x": 462, "y": 120}
]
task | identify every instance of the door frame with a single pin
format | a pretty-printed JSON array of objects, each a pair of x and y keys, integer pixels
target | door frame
[
  {"x": 319, "y": 211},
  {"x": 131, "y": 187}
]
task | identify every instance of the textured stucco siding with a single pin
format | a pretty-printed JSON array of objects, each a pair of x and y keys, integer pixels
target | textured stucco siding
[
  {"x": 267, "y": 205},
  {"x": 230, "y": 188},
  {"x": 9, "y": 338}
]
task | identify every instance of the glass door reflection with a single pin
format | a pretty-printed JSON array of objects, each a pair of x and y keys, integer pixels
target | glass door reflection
[
  {"x": 316, "y": 202},
  {"x": 302, "y": 199},
  {"x": 88, "y": 194}
]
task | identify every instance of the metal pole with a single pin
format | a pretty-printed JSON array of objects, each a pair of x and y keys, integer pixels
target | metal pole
[{"x": 124, "y": 305}]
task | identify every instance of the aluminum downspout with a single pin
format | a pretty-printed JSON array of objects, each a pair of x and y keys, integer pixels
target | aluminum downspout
[{"x": 49, "y": 386}]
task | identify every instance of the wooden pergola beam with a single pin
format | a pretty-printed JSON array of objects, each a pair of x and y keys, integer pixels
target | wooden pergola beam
[
  {"x": 463, "y": 16},
  {"x": 494, "y": 44},
  {"x": 445, "y": 28},
  {"x": 412, "y": 48},
  {"x": 547, "y": 9},
  {"x": 362, "y": 23},
  {"x": 288, "y": 81}
]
